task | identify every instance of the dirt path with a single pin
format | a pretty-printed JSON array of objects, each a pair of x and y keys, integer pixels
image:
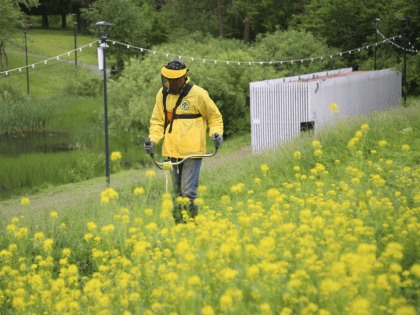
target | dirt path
[{"x": 62, "y": 196}]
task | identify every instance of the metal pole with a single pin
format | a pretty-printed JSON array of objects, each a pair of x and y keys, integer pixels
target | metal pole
[
  {"x": 75, "y": 45},
  {"x": 405, "y": 72},
  {"x": 108, "y": 181},
  {"x": 376, "y": 44},
  {"x": 404, "y": 24},
  {"x": 376, "y": 38},
  {"x": 27, "y": 69}
]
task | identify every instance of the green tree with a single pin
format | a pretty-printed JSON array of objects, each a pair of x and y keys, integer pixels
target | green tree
[
  {"x": 129, "y": 24},
  {"x": 345, "y": 24},
  {"x": 410, "y": 9},
  {"x": 11, "y": 20},
  {"x": 260, "y": 17},
  {"x": 240, "y": 19}
]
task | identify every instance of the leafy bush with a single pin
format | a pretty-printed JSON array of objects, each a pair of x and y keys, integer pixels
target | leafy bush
[
  {"x": 132, "y": 96},
  {"x": 85, "y": 86},
  {"x": 10, "y": 90}
]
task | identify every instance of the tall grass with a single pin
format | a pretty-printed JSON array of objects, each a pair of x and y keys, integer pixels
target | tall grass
[
  {"x": 37, "y": 169},
  {"x": 22, "y": 114},
  {"x": 291, "y": 231}
]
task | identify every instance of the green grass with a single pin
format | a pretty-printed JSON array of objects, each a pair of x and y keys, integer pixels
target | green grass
[
  {"x": 54, "y": 42},
  {"x": 45, "y": 80}
]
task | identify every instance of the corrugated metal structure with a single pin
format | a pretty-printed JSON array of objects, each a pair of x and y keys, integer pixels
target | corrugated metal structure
[{"x": 282, "y": 108}]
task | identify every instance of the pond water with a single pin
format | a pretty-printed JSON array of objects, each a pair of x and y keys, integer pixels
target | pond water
[{"x": 31, "y": 142}]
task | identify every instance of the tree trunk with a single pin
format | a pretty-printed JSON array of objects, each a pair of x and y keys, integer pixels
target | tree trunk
[
  {"x": 120, "y": 65},
  {"x": 219, "y": 17},
  {"x": 45, "y": 23},
  {"x": 79, "y": 26},
  {"x": 63, "y": 21},
  {"x": 1, "y": 56},
  {"x": 246, "y": 31},
  {"x": 7, "y": 58},
  {"x": 247, "y": 26}
]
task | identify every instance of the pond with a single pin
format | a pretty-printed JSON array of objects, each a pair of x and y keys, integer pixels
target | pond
[{"x": 33, "y": 141}]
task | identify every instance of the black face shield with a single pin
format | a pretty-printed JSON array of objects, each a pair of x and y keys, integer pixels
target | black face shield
[{"x": 174, "y": 76}]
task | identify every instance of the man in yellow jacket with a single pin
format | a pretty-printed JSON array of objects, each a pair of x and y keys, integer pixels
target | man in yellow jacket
[{"x": 180, "y": 117}]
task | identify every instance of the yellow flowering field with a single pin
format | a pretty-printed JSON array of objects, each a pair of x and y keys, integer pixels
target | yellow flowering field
[{"x": 335, "y": 232}]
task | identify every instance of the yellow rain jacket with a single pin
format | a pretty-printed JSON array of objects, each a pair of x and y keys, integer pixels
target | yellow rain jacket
[{"x": 188, "y": 136}]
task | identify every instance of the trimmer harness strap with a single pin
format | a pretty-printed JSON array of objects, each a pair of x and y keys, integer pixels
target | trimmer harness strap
[{"x": 171, "y": 116}]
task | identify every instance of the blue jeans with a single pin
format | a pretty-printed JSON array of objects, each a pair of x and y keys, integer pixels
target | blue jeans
[{"x": 185, "y": 179}]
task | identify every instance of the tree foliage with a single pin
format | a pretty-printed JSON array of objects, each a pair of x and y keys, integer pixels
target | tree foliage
[
  {"x": 132, "y": 96},
  {"x": 11, "y": 20},
  {"x": 240, "y": 19},
  {"x": 132, "y": 22}
]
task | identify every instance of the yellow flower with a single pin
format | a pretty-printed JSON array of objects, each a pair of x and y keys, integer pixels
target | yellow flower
[
  {"x": 405, "y": 147},
  {"x": 109, "y": 193},
  {"x": 373, "y": 152},
  {"x": 167, "y": 166},
  {"x": 264, "y": 168},
  {"x": 382, "y": 143},
  {"x": 25, "y": 201},
  {"x": 108, "y": 229},
  {"x": 207, "y": 310},
  {"x": 317, "y": 152},
  {"x": 151, "y": 227},
  {"x": 150, "y": 174},
  {"x": 365, "y": 127},
  {"x": 415, "y": 270},
  {"x": 138, "y": 191},
  {"x": 88, "y": 236},
  {"x": 297, "y": 155},
  {"x": 225, "y": 199},
  {"x": 226, "y": 302},
  {"x": 148, "y": 212},
  {"x": 66, "y": 252},
  {"x": 104, "y": 200},
  {"x": 199, "y": 202},
  {"x": 91, "y": 226},
  {"x": 115, "y": 156},
  {"x": 257, "y": 181},
  {"x": 316, "y": 144},
  {"x": 54, "y": 214},
  {"x": 337, "y": 162},
  {"x": 48, "y": 245},
  {"x": 39, "y": 236},
  {"x": 194, "y": 280},
  {"x": 361, "y": 306},
  {"x": 63, "y": 225},
  {"x": 334, "y": 108},
  {"x": 266, "y": 309}
]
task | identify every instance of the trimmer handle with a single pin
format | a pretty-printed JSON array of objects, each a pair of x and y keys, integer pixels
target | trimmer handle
[{"x": 147, "y": 141}]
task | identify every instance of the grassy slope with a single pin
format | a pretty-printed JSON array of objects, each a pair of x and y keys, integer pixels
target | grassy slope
[{"x": 220, "y": 173}]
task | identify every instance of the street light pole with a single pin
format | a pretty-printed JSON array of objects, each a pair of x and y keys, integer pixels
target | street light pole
[
  {"x": 75, "y": 41},
  {"x": 25, "y": 30},
  {"x": 376, "y": 40},
  {"x": 101, "y": 50},
  {"x": 404, "y": 24}
]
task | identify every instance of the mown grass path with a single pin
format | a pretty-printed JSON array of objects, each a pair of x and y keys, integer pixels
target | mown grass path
[
  {"x": 77, "y": 194},
  {"x": 93, "y": 68}
]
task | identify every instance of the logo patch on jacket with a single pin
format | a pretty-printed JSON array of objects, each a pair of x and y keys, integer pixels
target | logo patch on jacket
[{"x": 185, "y": 105}]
